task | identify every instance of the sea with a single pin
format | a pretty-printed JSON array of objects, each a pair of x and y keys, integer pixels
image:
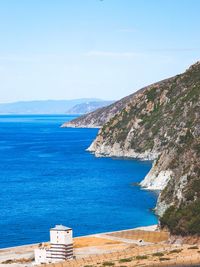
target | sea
[{"x": 47, "y": 177}]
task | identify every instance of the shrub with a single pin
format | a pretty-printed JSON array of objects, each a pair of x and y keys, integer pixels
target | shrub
[
  {"x": 151, "y": 94},
  {"x": 158, "y": 254},
  {"x": 108, "y": 263},
  {"x": 175, "y": 251},
  {"x": 164, "y": 259},
  {"x": 183, "y": 220},
  {"x": 194, "y": 247},
  {"x": 126, "y": 260},
  {"x": 141, "y": 257}
]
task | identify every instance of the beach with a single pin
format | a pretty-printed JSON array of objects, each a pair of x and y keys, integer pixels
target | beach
[{"x": 146, "y": 246}]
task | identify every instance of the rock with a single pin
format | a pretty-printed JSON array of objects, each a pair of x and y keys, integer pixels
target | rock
[{"x": 160, "y": 122}]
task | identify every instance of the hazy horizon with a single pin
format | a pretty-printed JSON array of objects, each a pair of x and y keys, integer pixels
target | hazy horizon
[{"x": 70, "y": 99}]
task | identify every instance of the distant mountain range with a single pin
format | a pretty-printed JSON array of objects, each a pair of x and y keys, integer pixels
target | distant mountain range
[
  {"x": 74, "y": 106},
  {"x": 87, "y": 107}
]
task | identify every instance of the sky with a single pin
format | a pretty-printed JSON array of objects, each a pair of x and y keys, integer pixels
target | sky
[{"x": 107, "y": 49}]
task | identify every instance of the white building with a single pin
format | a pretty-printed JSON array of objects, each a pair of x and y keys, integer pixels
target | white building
[{"x": 60, "y": 248}]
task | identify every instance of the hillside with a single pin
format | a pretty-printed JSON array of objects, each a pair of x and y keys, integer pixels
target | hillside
[
  {"x": 161, "y": 123},
  {"x": 73, "y": 106},
  {"x": 88, "y": 107},
  {"x": 99, "y": 117}
]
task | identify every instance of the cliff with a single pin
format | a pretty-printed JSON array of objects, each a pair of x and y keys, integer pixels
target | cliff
[
  {"x": 99, "y": 117},
  {"x": 160, "y": 122}
]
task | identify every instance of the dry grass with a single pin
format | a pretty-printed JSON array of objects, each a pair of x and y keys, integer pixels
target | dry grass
[
  {"x": 22, "y": 260},
  {"x": 151, "y": 255},
  {"x": 80, "y": 242},
  {"x": 147, "y": 236},
  {"x": 127, "y": 254}
]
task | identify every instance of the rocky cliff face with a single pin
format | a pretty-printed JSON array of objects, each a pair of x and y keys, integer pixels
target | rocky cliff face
[
  {"x": 99, "y": 117},
  {"x": 162, "y": 122}
]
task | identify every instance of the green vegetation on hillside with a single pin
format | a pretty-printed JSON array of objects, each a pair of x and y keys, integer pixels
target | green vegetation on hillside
[
  {"x": 184, "y": 220},
  {"x": 168, "y": 121},
  {"x": 162, "y": 120}
]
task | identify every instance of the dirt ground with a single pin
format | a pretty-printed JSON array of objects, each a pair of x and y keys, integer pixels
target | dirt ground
[
  {"x": 80, "y": 242},
  {"x": 137, "y": 247}
]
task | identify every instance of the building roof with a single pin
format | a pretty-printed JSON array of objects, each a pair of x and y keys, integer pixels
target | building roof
[{"x": 61, "y": 227}]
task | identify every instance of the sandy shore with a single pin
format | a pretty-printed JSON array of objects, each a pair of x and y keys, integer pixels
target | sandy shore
[
  {"x": 83, "y": 246},
  {"x": 145, "y": 246}
]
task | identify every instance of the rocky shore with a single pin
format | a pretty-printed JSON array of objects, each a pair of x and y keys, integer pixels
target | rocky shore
[{"x": 159, "y": 122}]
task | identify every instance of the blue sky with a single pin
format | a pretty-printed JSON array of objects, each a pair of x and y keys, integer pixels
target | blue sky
[{"x": 64, "y": 49}]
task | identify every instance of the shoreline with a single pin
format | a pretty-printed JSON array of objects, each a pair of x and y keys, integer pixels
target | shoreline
[
  {"x": 144, "y": 245},
  {"x": 84, "y": 246},
  {"x": 152, "y": 228}
]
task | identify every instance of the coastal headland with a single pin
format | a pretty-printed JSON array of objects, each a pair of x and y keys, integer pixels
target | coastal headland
[{"x": 159, "y": 122}]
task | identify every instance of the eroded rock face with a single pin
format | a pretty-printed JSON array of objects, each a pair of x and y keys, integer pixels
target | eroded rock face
[
  {"x": 99, "y": 117},
  {"x": 162, "y": 123}
]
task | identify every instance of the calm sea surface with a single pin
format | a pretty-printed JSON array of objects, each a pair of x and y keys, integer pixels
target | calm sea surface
[{"x": 47, "y": 178}]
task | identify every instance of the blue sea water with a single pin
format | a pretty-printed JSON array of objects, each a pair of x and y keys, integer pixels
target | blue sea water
[{"x": 47, "y": 178}]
